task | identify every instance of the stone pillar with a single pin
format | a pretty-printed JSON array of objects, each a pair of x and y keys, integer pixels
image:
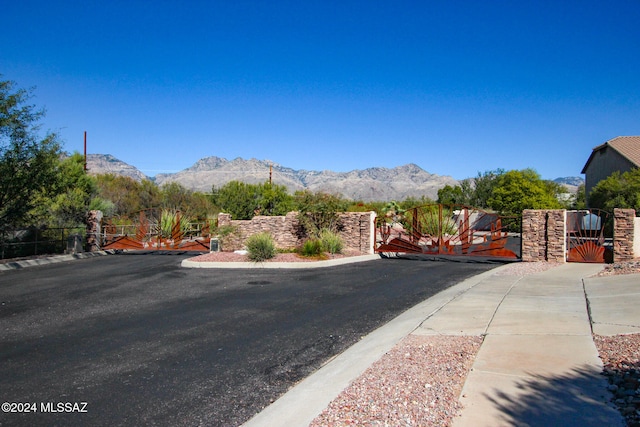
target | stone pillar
[
  {"x": 367, "y": 232},
  {"x": 556, "y": 235},
  {"x": 94, "y": 230},
  {"x": 533, "y": 235},
  {"x": 544, "y": 235},
  {"x": 623, "y": 234}
]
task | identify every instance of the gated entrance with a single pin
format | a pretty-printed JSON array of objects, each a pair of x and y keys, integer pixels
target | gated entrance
[
  {"x": 154, "y": 229},
  {"x": 589, "y": 236},
  {"x": 449, "y": 230}
]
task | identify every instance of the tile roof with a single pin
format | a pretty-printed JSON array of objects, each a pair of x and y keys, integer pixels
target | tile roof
[{"x": 627, "y": 146}]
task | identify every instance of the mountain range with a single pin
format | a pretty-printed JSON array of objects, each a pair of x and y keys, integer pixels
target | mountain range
[
  {"x": 375, "y": 183},
  {"x": 369, "y": 184}
]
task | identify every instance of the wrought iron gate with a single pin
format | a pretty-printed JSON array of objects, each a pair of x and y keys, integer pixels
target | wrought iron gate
[
  {"x": 150, "y": 232},
  {"x": 449, "y": 230},
  {"x": 589, "y": 236}
]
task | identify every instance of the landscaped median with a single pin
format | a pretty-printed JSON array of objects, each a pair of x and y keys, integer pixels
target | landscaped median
[{"x": 281, "y": 260}]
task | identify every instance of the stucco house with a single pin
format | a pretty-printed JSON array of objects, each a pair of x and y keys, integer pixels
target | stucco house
[{"x": 618, "y": 154}]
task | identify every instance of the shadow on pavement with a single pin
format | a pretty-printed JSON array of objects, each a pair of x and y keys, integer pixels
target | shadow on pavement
[
  {"x": 449, "y": 258},
  {"x": 578, "y": 398}
]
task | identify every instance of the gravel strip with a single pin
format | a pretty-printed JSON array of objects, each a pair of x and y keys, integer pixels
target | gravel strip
[
  {"x": 524, "y": 268},
  {"x": 627, "y": 267},
  {"x": 417, "y": 383},
  {"x": 620, "y": 356}
]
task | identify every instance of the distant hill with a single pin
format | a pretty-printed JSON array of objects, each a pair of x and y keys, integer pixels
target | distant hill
[
  {"x": 570, "y": 182},
  {"x": 106, "y": 163},
  {"x": 369, "y": 184}
]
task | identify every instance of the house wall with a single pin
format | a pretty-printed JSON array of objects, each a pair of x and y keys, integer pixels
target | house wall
[
  {"x": 357, "y": 230},
  {"x": 604, "y": 162}
]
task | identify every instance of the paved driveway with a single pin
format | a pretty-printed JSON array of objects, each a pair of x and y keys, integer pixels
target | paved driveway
[{"x": 143, "y": 341}]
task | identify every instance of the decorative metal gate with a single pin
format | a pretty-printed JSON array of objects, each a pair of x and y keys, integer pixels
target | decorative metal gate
[
  {"x": 449, "y": 230},
  {"x": 587, "y": 236},
  {"x": 153, "y": 231}
]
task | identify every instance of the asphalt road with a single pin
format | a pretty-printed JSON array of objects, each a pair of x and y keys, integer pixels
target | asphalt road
[{"x": 137, "y": 340}]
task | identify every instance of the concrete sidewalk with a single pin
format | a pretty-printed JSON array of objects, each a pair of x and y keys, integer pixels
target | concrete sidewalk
[{"x": 537, "y": 366}]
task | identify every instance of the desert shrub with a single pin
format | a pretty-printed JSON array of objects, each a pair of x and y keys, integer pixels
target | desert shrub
[
  {"x": 331, "y": 242},
  {"x": 261, "y": 247},
  {"x": 311, "y": 247},
  {"x": 317, "y": 211}
]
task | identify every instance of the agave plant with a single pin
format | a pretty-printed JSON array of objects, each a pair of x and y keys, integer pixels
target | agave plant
[{"x": 172, "y": 224}]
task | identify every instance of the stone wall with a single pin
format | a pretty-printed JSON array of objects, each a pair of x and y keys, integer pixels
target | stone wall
[{"x": 357, "y": 230}]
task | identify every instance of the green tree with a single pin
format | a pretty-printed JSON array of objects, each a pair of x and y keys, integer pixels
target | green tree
[
  {"x": 617, "y": 191},
  {"x": 412, "y": 202},
  {"x": 483, "y": 186},
  {"x": 200, "y": 206},
  {"x": 27, "y": 161},
  {"x": 580, "y": 200},
  {"x": 65, "y": 202},
  {"x": 516, "y": 190},
  {"x": 244, "y": 201},
  {"x": 148, "y": 194},
  {"x": 450, "y": 195},
  {"x": 191, "y": 204},
  {"x": 474, "y": 192},
  {"x": 127, "y": 195},
  {"x": 319, "y": 211},
  {"x": 236, "y": 198},
  {"x": 174, "y": 196},
  {"x": 274, "y": 199}
]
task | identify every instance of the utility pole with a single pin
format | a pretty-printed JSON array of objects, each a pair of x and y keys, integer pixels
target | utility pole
[
  {"x": 85, "y": 151},
  {"x": 270, "y": 173}
]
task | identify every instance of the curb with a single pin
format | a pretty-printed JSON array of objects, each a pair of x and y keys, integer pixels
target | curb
[
  {"x": 289, "y": 265},
  {"x": 18, "y": 265}
]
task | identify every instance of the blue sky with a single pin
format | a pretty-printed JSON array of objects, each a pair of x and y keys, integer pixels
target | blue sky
[{"x": 456, "y": 87}]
